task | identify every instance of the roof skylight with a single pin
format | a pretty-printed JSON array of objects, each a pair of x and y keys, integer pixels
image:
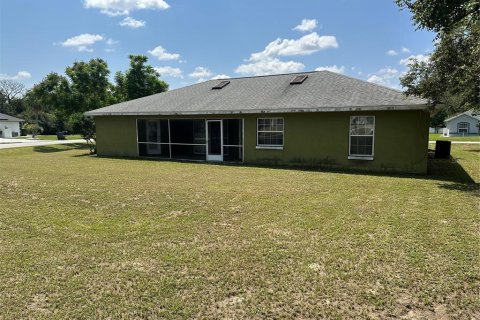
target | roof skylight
[
  {"x": 299, "y": 79},
  {"x": 220, "y": 85}
]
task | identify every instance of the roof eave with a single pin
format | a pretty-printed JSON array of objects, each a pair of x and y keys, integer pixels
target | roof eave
[
  {"x": 249, "y": 111},
  {"x": 459, "y": 115},
  {"x": 12, "y": 120}
]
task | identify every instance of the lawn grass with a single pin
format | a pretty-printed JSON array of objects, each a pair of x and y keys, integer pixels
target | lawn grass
[
  {"x": 85, "y": 237},
  {"x": 54, "y": 137},
  {"x": 438, "y": 136}
]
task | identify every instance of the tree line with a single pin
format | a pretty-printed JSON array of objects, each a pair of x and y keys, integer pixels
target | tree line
[{"x": 58, "y": 102}]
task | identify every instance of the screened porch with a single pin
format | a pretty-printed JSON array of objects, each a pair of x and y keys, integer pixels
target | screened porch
[{"x": 191, "y": 139}]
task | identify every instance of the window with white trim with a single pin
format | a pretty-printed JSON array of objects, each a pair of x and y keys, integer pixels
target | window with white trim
[
  {"x": 463, "y": 127},
  {"x": 362, "y": 131},
  {"x": 270, "y": 132}
]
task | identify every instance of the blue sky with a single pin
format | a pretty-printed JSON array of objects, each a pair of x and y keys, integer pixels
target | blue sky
[{"x": 196, "y": 40}]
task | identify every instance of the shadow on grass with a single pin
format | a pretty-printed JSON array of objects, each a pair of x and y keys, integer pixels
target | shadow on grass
[
  {"x": 453, "y": 175},
  {"x": 83, "y": 155},
  {"x": 448, "y": 172},
  {"x": 60, "y": 147},
  {"x": 473, "y": 150},
  {"x": 466, "y": 187}
]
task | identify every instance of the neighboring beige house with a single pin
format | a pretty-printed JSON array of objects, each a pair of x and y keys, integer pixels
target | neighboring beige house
[
  {"x": 463, "y": 124},
  {"x": 9, "y": 126}
]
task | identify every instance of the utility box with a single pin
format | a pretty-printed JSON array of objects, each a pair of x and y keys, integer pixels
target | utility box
[{"x": 442, "y": 149}]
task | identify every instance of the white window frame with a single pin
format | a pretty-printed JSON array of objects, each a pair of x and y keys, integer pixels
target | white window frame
[
  {"x": 271, "y": 146},
  {"x": 360, "y": 156},
  {"x": 467, "y": 128}
]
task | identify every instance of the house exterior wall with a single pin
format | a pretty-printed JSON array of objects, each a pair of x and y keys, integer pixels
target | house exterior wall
[
  {"x": 310, "y": 139},
  {"x": 452, "y": 125},
  {"x": 8, "y": 128},
  {"x": 116, "y": 136}
]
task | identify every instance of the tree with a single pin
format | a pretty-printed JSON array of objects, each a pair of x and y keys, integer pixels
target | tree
[
  {"x": 52, "y": 93},
  {"x": 10, "y": 100},
  {"x": 15, "y": 107},
  {"x": 89, "y": 84},
  {"x": 33, "y": 128},
  {"x": 442, "y": 16},
  {"x": 120, "y": 88},
  {"x": 140, "y": 80},
  {"x": 47, "y": 101},
  {"x": 86, "y": 127},
  {"x": 10, "y": 89},
  {"x": 437, "y": 118},
  {"x": 452, "y": 75}
]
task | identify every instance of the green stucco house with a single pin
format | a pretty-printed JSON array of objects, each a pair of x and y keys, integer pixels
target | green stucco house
[{"x": 320, "y": 119}]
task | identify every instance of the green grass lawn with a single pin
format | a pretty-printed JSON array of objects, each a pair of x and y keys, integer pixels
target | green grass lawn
[
  {"x": 87, "y": 237},
  {"x": 54, "y": 137},
  {"x": 438, "y": 136}
]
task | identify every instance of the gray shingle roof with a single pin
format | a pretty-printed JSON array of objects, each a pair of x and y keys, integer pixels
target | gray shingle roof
[
  {"x": 322, "y": 91},
  {"x": 469, "y": 113},
  {"x": 6, "y": 117}
]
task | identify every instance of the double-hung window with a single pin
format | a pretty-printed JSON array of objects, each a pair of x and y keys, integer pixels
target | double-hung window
[
  {"x": 270, "y": 133},
  {"x": 362, "y": 132},
  {"x": 463, "y": 127}
]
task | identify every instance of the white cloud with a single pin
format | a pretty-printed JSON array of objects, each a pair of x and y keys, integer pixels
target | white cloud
[
  {"x": 409, "y": 60},
  {"x": 405, "y": 50},
  {"x": 21, "y": 75},
  {"x": 305, "y": 45},
  {"x": 111, "y": 42},
  {"x": 392, "y": 52},
  {"x": 82, "y": 41},
  {"x": 170, "y": 71},
  {"x": 387, "y": 76},
  {"x": 333, "y": 68},
  {"x": 124, "y": 7},
  {"x": 375, "y": 79},
  {"x": 306, "y": 25},
  {"x": 201, "y": 72},
  {"x": 220, "y": 76},
  {"x": 132, "y": 23},
  {"x": 161, "y": 54},
  {"x": 269, "y": 66},
  {"x": 267, "y": 61},
  {"x": 388, "y": 71},
  {"x": 84, "y": 49}
]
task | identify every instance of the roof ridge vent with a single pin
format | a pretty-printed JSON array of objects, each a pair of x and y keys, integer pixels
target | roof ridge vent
[
  {"x": 299, "y": 79},
  {"x": 221, "y": 84}
]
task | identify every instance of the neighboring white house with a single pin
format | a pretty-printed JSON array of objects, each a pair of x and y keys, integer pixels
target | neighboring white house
[
  {"x": 9, "y": 126},
  {"x": 464, "y": 123}
]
